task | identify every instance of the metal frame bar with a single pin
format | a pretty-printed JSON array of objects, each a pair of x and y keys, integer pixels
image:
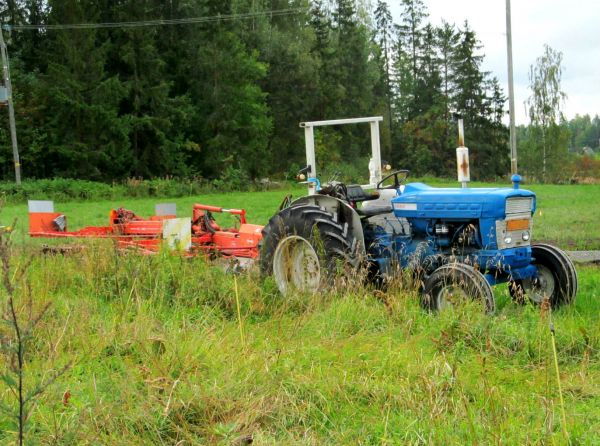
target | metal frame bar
[{"x": 309, "y": 137}]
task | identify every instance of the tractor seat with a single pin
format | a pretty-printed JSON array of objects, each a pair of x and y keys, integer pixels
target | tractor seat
[
  {"x": 373, "y": 211},
  {"x": 357, "y": 194}
]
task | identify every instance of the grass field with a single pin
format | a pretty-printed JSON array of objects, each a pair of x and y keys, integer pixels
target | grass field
[
  {"x": 568, "y": 216},
  {"x": 159, "y": 355}
]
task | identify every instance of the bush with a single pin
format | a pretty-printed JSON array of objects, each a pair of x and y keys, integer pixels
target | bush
[
  {"x": 60, "y": 189},
  {"x": 232, "y": 179},
  {"x": 586, "y": 168}
]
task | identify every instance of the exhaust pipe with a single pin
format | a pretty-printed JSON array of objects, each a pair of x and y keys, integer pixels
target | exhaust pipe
[{"x": 462, "y": 157}]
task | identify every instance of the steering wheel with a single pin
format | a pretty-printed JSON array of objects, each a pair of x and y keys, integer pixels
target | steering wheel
[{"x": 397, "y": 179}]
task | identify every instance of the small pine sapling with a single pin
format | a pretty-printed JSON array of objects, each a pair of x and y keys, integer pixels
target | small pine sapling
[{"x": 16, "y": 334}]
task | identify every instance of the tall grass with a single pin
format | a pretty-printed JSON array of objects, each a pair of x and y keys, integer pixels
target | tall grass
[{"x": 158, "y": 359}]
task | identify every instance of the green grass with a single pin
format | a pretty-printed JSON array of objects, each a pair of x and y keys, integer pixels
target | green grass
[
  {"x": 567, "y": 216},
  {"x": 158, "y": 357}
]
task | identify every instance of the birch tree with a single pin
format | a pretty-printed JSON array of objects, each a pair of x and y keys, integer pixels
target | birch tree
[{"x": 544, "y": 108}]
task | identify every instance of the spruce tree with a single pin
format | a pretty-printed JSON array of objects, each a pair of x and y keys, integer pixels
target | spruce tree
[
  {"x": 291, "y": 84},
  {"x": 156, "y": 119},
  {"x": 355, "y": 75},
  {"x": 84, "y": 137},
  {"x": 447, "y": 41},
  {"x": 384, "y": 41},
  {"x": 232, "y": 117}
]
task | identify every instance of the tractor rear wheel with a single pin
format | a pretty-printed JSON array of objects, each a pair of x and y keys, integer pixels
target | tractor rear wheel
[
  {"x": 454, "y": 284},
  {"x": 556, "y": 278},
  {"x": 305, "y": 247}
]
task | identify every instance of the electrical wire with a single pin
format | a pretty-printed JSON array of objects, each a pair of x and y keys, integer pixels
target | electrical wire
[{"x": 158, "y": 22}]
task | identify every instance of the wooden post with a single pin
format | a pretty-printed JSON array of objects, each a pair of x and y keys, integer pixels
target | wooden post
[{"x": 11, "y": 110}]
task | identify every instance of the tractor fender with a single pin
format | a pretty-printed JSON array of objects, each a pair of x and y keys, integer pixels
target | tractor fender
[{"x": 345, "y": 213}]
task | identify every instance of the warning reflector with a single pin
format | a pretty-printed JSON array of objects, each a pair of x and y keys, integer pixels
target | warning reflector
[{"x": 517, "y": 225}]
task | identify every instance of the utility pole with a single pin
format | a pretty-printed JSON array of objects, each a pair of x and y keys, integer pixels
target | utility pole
[
  {"x": 11, "y": 109},
  {"x": 511, "y": 94}
]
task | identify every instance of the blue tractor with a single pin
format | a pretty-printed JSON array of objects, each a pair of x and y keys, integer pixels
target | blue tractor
[
  {"x": 458, "y": 242},
  {"x": 455, "y": 242}
]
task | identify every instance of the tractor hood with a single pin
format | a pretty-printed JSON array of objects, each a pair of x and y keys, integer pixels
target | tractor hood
[{"x": 418, "y": 200}]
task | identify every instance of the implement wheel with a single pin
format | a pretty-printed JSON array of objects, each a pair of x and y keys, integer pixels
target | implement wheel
[
  {"x": 556, "y": 278},
  {"x": 454, "y": 284},
  {"x": 306, "y": 247}
]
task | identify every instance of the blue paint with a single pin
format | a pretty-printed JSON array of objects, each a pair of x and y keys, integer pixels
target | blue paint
[
  {"x": 451, "y": 224},
  {"x": 316, "y": 181},
  {"x": 516, "y": 179}
]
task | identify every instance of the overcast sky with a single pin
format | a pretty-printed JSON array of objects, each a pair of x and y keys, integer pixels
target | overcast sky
[{"x": 571, "y": 27}]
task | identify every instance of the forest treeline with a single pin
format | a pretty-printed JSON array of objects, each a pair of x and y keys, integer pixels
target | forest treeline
[{"x": 223, "y": 98}]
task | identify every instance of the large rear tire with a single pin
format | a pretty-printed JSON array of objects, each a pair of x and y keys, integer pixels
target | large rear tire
[
  {"x": 556, "y": 279},
  {"x": 305, "y": 247},
  {"x": 454, "y": 284}
]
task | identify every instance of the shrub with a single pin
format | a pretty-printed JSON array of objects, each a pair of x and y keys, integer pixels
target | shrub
[{"x": 61, "y": 189}]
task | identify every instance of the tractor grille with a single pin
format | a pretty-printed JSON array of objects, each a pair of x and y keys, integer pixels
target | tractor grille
[{"x": 519, "y": 206}]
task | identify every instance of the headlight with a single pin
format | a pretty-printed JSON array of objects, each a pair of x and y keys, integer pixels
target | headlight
[
  {"x": 526, "y": 235},
  {"x": 508, "y": 240}
]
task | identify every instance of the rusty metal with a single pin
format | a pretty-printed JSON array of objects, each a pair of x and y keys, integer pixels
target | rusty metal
[
  {"x": 462, "y": 157},
  {"x": 464, "y": 165}
]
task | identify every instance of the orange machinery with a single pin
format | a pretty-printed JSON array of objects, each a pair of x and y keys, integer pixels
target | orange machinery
[
  {"x": 148, "y": 234},
  {"x": 208, "y": 236}
]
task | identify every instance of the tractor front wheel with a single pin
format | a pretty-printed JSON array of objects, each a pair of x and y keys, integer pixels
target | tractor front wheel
[
  {"x": 556, "y": 278},
  {"x": 454, "y": 284},
  {"x": 306, "y": 247}
]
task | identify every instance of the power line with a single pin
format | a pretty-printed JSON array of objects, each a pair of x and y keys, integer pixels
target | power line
[{"x": 159, "y": 22}]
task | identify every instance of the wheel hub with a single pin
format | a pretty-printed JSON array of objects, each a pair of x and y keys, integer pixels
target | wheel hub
[
  {"x": 540, "y": 287},
  {"x": 296, "y": 265},
  {"x": 450, "y": 295}
]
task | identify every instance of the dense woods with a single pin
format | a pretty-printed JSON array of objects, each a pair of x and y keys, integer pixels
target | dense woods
[{"x": 223, "y": 97}]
